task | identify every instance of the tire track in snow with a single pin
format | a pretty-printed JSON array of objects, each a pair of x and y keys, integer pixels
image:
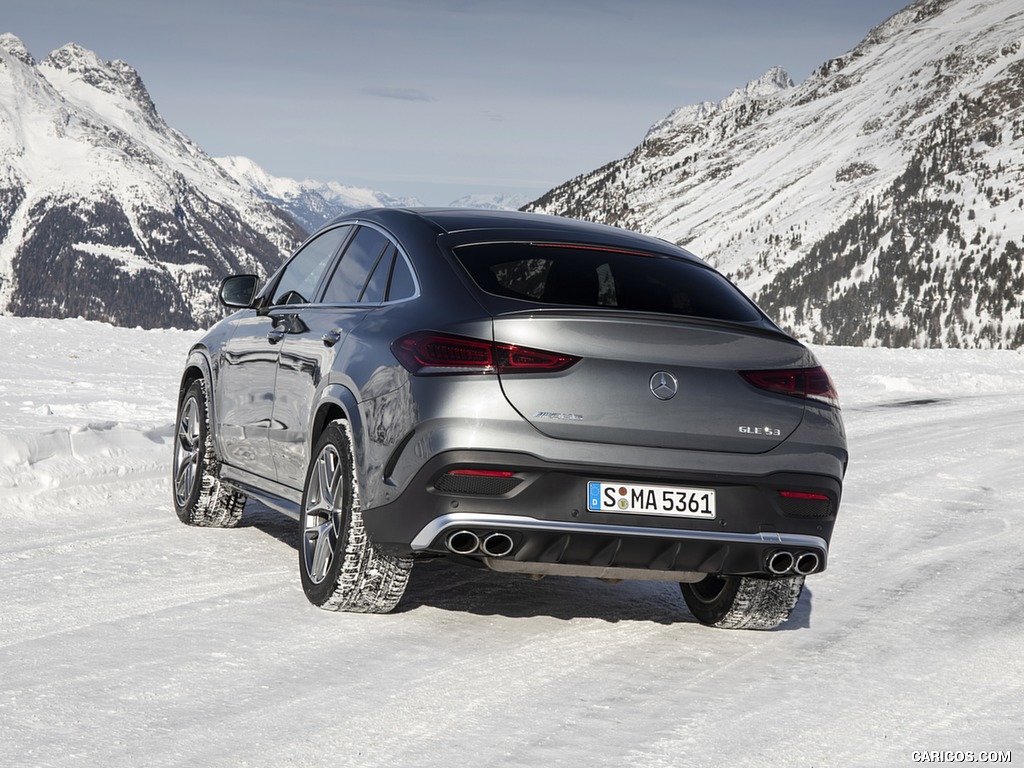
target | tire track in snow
[{"x": 81, "y": 576}]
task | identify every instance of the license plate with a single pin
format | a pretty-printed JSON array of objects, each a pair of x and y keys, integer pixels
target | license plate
[{"x": 651, "y": 500}]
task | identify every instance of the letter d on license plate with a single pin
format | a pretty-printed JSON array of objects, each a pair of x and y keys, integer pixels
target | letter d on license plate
[{"x": 651, "y": 500}]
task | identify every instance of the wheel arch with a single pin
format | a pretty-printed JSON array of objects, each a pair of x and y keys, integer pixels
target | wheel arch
[
  {"x": 197, "y": 367},
  {"x": 335, "y": 402}
]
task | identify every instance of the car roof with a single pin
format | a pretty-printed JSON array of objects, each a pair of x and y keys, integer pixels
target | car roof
[{"x": 455, "y": 221}]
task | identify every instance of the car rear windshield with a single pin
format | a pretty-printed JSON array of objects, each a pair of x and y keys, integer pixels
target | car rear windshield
[{"x": 607, "y": 278}]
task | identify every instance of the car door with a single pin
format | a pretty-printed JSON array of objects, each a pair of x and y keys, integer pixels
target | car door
[
  {"x": 248, "y": 361},
  {"x": 315, "y": 344}
]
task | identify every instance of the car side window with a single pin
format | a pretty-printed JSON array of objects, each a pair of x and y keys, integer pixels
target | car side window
[
  {"x": 359, "y": 258},
  {"x": 302, "y": 275},
  {"x": 376, "y": 286},
  {"x": 403, "y": 285}
]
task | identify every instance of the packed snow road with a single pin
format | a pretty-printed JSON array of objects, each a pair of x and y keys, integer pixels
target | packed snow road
[{"x": 128, "y": 639}]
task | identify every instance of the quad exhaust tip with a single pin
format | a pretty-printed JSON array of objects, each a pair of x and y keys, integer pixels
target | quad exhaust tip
[
  {"x": 463, "y": 542},
  {"x": 495, "y": 544},
  {"x": 806, "y": 562},
  {"x": 782, "y": 562}
]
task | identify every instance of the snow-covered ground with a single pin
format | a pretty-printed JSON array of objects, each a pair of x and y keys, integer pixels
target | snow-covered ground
[{"x": 128, "y": 639}]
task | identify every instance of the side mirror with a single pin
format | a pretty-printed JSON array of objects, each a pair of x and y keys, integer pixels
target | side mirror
[{"x": 238, "y": 291}]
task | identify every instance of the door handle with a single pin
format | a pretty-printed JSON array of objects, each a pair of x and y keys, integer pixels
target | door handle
[
  {"x": 276, "y": 335},
  {"x": 331, "y": 337}
]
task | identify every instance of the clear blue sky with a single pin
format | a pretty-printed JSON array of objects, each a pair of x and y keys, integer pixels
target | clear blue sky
[{"x": 440, "y": 98}]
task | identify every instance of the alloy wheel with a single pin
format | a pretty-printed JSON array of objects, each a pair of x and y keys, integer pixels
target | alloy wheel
[
  {"x": 188, "y": 449},
  {"x": 322, "y": 514}
]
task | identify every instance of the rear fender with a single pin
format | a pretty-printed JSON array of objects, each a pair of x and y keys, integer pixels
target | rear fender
[{"x": 337, "y": 401}]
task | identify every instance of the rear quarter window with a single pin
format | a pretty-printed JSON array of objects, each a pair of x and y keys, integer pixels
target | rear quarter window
[
  {"x": 353, "y": 270},
  {"x": 590, "y": 276}
]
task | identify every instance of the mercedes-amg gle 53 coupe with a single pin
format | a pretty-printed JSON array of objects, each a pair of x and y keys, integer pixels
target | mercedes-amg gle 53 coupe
[{"x": 526, "y": 393}]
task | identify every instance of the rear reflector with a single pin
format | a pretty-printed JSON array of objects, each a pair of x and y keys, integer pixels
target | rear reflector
[
  {"x": 805, "y": 383},
  {"x": 477, "y": 482},
  {"x": 803, "y": 495},
  {"x": 426, "y": 353},
  {"x": 803, "y": 504}
]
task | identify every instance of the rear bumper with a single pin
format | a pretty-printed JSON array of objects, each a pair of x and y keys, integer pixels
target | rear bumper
[
  {"x": 620, "y": 551},
  {"x": 551, "y": 531}
]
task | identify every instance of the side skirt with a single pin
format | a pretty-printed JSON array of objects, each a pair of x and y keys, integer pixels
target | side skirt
[{"x": 286, "y": 500}]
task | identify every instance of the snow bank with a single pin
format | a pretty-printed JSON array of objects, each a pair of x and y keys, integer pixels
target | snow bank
[{"x": 85, "y": 405}]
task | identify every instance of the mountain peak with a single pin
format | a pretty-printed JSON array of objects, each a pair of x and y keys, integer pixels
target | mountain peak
[
  {"x": 73, "y": 58},
  {"x": 16, "y": 48},
  {"x": 73, "y": 63},
  {"x": 105, "y": 210},
  {"x": 771, "y": 83}
]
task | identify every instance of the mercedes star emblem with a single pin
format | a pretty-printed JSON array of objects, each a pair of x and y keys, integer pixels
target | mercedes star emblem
[{"x": 664, "y": 385}]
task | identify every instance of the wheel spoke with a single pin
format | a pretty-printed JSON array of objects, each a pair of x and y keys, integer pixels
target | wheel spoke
[
  {"x": 324, "y": 485},
  {"x": 323, "y": 550},
  {"x": 324, "y": 480},
  {"x": 186, "y": 475},
  {"x": 188, "y": 427}
]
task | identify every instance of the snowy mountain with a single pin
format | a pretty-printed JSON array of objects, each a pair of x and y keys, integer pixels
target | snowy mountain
[
  {"x": 495, "y": 202},
  {"x": 878, "y": 202},
  {"x": 311, "y": 203},
  {"x": 105, "y": 210}
]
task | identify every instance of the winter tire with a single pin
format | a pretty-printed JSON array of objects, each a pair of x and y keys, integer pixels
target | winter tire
[
  {"x": 341, "y": 569},
  {"x": 199, "y": 497},
  {"x": 742, "y": 602}
]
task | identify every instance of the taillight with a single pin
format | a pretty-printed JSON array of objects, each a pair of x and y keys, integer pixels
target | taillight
[
  {"x": 427, "y": 353},
  {"x": 805, "y": 383}
]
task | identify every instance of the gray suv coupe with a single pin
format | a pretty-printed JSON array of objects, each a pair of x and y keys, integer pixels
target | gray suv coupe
[{"x": 530, "y": 394}]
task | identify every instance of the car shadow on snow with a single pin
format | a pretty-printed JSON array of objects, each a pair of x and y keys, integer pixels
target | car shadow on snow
[
  {"x": 454, "y": 587},
  {"x": 450, "y": 586},
  {"x": 271, "y": 522}
]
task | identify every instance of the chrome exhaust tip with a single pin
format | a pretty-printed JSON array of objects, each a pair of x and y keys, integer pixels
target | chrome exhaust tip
[
  {"x": 806, "y": 563},
  {"x": 497, "y": 544},
  {"x": 463, "y": 542},
  {"x": 780, "y": 562}
]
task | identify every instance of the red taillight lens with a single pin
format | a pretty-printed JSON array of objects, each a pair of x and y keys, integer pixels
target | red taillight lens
[
  {"x": 513, "y": 359},
  {"x": 436, "y": 354},
  {"x": 481, "y": 472},
  {"x": 478, "y": 482},
  {"x": 806, "y": 383},
  {"x": 803, "y": 495}
]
